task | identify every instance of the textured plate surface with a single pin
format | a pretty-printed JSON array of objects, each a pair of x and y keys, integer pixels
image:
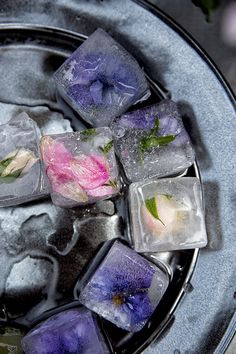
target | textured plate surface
[{"x": 205, "y": 313}]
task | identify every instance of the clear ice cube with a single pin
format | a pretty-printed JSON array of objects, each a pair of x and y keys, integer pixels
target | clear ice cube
[
  {"x": 152, "y": 142},
  {"x": 68, "y": 332},
  {"x": 81, "y": 166},
  {"x": 125, "y": 289},
  {"x": 167, "y": 214},
  {"x": 101, "y": 80},
  {"x": 21, "y": 174}
]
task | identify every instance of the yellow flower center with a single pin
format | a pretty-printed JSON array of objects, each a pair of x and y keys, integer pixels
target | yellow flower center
[{"x": 118, "y": 299}]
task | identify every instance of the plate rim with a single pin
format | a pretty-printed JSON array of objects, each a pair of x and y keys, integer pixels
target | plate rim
[{"x": 175, "y": 26}]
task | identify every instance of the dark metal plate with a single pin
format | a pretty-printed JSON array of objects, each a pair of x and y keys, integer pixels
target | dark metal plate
[{"x": 43, "y": 248}]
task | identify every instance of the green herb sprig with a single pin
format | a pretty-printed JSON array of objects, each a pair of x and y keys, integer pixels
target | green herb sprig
[
  {"x": 87, "y": 134},
  {"x": 152, "y": 140},
  {"x": 104, "y": 150}
]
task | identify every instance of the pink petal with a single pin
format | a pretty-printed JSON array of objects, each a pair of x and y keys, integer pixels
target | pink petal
[
  {"x": 66, "y": 187},
  {"x": 54, "y": 152},
  {"x": 101, "y": 191},
  {"x": 89, "y": 171}
]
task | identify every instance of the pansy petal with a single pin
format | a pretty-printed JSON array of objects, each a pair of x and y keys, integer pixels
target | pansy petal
[
  {"x": 96, "y": 91},
  {"x": 140, "y": 307}
]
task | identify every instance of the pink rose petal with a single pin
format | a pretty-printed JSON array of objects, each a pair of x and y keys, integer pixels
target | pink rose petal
[
  {"x": 73, "y": 176},
  {"x": 90, "y": 171},
  {"x": 100, "y": 191},
  {"x": 68, "y": 188},
  {"x": 54, "y": 152}
]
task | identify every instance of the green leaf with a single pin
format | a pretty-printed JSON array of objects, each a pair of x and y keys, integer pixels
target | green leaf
[
  {"x": 152, "y": 208},
  {"x": 5, "y": 163},
  {"x": 113, "y": 183},
  {"x": 168, "y": 196},
  {"x": 88, "y": 132},
  {"x": 108, "y": 146},
  {"x": 100, "y": 148},
  {"x": 11, "y": 177},
  {"x": 154, "y": 130},
  {"x": 154, "y": 141}
]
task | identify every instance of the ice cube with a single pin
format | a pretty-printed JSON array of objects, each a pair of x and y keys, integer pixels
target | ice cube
[
  {"x": 101, "y": 80},
  {"x": 152, "y": 142},
  {"x": 21, "y": 174},
  {"x": 69, "y": 332},
  {"x": 167, "y": 214},
  {"x": 125, "y": 289},
  {"x": 81, "y": 166}
]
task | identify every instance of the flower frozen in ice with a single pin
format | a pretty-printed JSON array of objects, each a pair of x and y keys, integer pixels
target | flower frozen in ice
[
  {"x": 100, "y": 80},
  {"x": 68, "y": 332},
  {"x": 75, "y": 177},
  {"x": 16, "y": 164},
  {"x": 125, "y": 289}
]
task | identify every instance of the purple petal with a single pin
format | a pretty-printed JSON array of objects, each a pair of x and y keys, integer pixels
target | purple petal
[
  {"x": 168, "y": 125},
  {"x": 96, "y": 91}
]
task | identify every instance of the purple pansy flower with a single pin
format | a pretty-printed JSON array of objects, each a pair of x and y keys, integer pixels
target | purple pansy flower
[
  {"x": 101, "y": 80},
  {"x": 125, "y": 289},
  {"x": 129, "y": 293}
]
